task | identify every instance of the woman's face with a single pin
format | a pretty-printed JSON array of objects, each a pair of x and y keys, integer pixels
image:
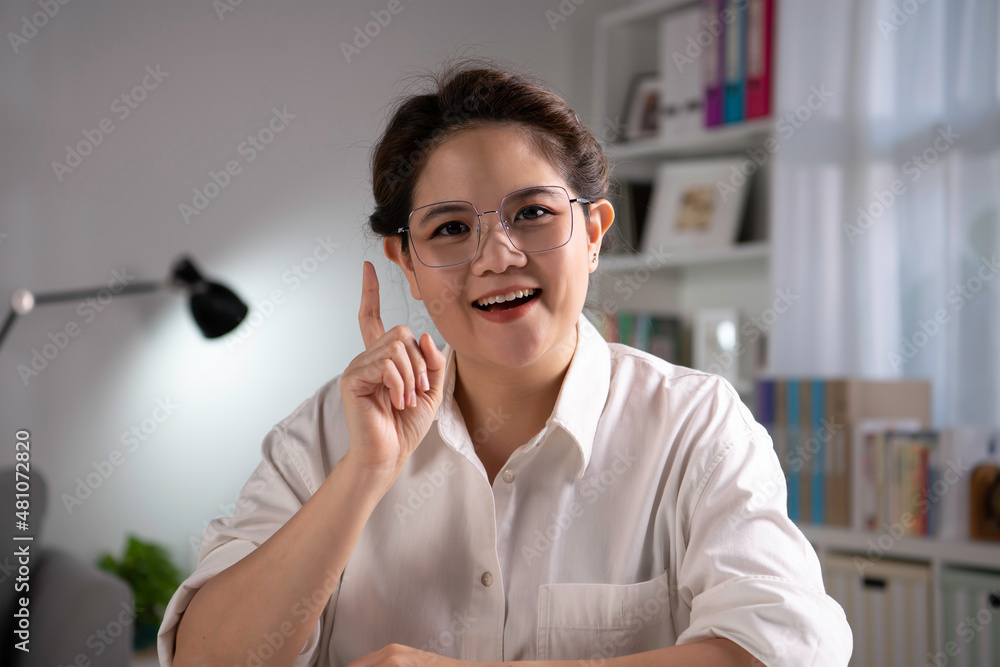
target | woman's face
[{"x": 481, "y": 166}]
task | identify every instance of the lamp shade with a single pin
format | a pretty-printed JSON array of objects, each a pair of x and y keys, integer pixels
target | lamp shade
[{"x": 215, "y": 308}]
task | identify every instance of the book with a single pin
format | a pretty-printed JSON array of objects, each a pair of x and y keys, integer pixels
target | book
[
  {"x": 625, "y": 329},
  {"x": 820, "y": 430},
  {"x": 713, "y": 60},
  {"x": 690, "y": 75},
  {"x": 849, "y": 401},
  {"x": 759, "y": 58},
  {"x": 664, "y": 339},
  {"x": 671, "y": 93},
  {"x": 817, "y": 435},
  {"x": 734, "y": 67},
  {"x": 793, "y": 435}
]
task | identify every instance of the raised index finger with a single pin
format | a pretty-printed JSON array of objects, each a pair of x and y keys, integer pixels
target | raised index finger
[{"x": 370, "y": 316}]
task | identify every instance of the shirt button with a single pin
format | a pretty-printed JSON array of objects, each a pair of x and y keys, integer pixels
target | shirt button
[
  {"x": 508, "y": 476},
  {"x": 487, "y": 579}
]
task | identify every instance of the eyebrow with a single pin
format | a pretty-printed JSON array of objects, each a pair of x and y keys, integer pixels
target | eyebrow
[{"x": 444, "y": 208}]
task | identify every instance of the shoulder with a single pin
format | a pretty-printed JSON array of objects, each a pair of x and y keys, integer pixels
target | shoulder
[
  {"x": 677, "y": 390},
  {"x": 695, "y": 417}
]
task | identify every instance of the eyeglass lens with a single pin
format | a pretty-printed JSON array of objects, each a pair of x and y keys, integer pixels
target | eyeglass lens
[{"x": 446, "y": 233}]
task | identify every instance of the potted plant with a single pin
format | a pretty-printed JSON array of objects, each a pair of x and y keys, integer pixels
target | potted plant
[{"x": 146, "y": 567}]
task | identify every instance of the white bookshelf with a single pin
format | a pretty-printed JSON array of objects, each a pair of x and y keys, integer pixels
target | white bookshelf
[
  {"x": 961, "y": 553},
  {"x": 757, "y": 251},
  {"x": 626, "y": 43},
  {"x": 679, "y": 281},
  {"x": 710, "y": 141}
]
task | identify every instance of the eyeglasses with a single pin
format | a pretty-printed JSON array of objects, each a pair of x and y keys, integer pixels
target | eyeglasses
[{"x": 535, "y": 219}]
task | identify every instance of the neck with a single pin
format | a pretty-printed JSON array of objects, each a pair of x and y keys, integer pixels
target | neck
[{"x": 505, "y": 407}]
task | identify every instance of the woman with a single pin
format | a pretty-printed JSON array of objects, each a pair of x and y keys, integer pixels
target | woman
[{"x": 575, "y": 500}]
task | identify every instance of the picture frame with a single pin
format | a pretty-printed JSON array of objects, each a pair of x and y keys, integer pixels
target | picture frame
[
  {"x": 696, "y": 204},
  {"x": 715, "y": 343},
  {"x": 643, "y": 108}
]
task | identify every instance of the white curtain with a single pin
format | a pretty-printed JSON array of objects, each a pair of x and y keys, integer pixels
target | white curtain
[{"x": 909, "y": 133}]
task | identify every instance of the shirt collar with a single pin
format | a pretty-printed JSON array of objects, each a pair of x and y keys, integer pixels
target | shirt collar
[{"x": 578, "y": 407}]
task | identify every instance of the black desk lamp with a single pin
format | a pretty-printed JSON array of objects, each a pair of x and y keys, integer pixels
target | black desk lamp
[{"x": 215, "y": 308}]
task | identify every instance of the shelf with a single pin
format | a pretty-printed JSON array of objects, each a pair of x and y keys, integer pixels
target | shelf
[
  {"x": 957, "y": 552},
  {"x": 722, "y": 139},
  {"x": 758, "y": 250}
]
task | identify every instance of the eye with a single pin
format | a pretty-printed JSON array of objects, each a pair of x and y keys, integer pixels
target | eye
[
  {"x": 533, "y": 212},
  {"x": 454, "y": 228}
]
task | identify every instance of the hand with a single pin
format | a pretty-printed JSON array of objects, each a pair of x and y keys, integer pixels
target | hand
[
  {"x": 397, "y": 655},
  {"x": 383, "y": 429}
]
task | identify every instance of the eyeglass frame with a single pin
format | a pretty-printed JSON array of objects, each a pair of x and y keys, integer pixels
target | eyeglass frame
[{"x": 503, "y": 223}]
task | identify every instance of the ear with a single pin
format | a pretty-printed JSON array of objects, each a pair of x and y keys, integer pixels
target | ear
[
  {"x": 602, "y": 214},
  {"x": 393, "y": 247}
]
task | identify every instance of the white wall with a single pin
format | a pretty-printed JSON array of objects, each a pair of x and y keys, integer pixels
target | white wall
[{"x": 120, "y": 208}]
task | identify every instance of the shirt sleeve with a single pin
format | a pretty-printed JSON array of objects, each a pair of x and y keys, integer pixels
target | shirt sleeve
[
  {"x": 275, "y": 491},
  {"x": 751, "y": 575}
]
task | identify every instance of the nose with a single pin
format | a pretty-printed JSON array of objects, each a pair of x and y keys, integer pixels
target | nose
[{"x": 499, "y": 253}]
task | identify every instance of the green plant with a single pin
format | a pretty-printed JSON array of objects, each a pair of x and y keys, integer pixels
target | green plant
[{"x": 153, "y": 578}]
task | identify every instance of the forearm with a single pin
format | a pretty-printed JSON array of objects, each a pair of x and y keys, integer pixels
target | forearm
[
  {"x": 706, "y": 653},
  {"x": 275, "y": 588}
]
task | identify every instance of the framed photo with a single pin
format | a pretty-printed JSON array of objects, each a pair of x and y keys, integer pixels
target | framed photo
[
  {"x": 643, "y": 111},
  {"x": 696, "y": 205}
]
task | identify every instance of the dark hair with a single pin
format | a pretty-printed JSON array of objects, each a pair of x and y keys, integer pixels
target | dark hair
[{"x": 467, "y": 94}]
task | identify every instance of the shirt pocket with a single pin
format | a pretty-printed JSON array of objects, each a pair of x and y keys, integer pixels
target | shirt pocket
[{"x": 594, "y": 621}]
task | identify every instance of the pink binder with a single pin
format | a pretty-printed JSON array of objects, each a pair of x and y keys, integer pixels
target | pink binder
[{"x": 760, "y": 32}]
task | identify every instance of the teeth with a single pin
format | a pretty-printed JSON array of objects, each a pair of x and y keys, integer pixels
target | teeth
[{"x": 516, "y": 294}]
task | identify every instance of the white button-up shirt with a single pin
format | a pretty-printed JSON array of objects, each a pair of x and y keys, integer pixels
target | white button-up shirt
[{"x": 650, "y": 511}]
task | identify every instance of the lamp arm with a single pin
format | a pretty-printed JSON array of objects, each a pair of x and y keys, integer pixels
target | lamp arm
[{"x": 74, "y": 295}]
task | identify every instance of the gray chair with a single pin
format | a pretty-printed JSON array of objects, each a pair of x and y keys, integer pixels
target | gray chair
[{"x": 74, "y": 607}]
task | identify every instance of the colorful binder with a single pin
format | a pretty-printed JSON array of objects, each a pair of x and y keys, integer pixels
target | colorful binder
[
  {"x": 735, "y": 64},
  {"x": 760, "y": 28}
]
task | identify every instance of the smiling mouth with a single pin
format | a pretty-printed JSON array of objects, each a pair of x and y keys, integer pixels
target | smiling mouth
[{"x": 508, "y": 305}]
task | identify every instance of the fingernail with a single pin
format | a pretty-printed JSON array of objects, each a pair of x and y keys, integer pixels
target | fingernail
[
  {"x": 413, "y": 398},
  {"x": 424, "y": 383}
]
